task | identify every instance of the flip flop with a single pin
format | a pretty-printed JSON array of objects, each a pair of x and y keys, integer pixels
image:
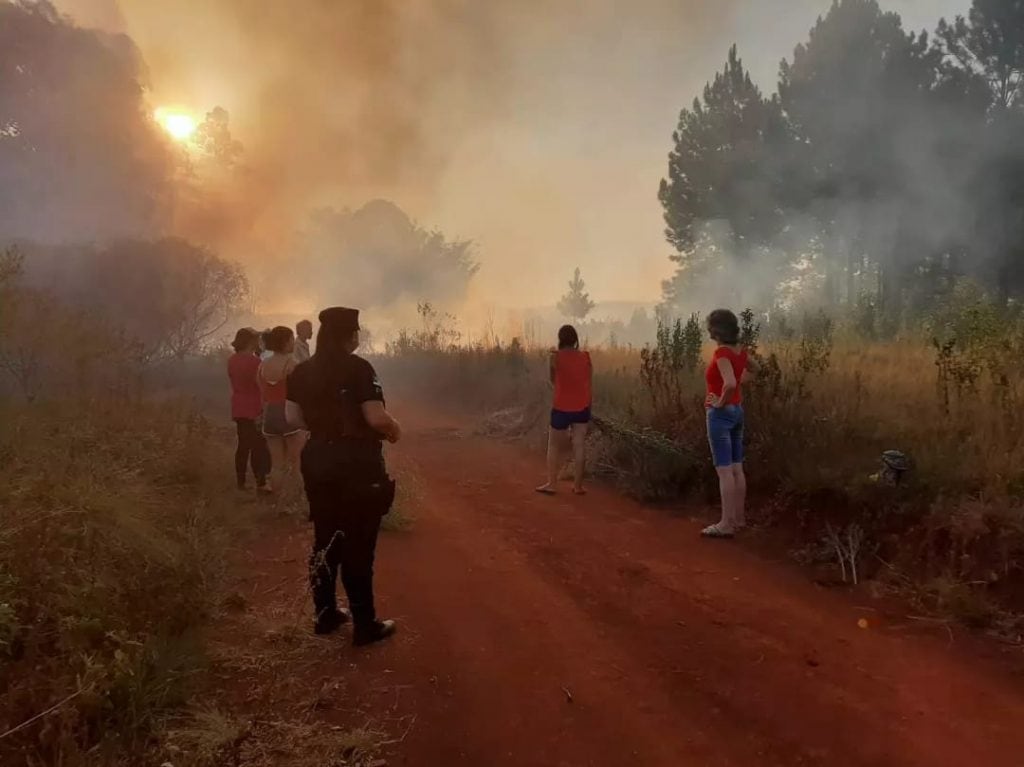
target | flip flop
[
  {"x": 714, "y": 531},
  {"x": 544, "y": 490}
]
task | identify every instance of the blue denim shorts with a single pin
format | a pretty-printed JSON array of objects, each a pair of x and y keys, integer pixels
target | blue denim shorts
[{"x": 725, "y": 434}]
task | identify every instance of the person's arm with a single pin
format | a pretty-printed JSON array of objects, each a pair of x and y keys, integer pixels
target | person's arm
[
  {"x": 728, "y": 382},
  {"x": 381, "y": 420},
  {"x": 293, "y": 414},
  {"x": 370, "y": 395}
]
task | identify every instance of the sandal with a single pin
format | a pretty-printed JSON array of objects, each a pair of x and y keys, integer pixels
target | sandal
[
  {"x": 714, "y": 531},
  {"x": 545, "y": 490}
]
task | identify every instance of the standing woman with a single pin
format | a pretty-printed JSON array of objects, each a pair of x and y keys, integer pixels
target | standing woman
[
  {"x": 338, "y": 396},
  {"x": 572, "y": 374},
  {"x": 246, "y": 408},
  {"x": 284, "y": 438},
  {"x": 730, "y": 366}
]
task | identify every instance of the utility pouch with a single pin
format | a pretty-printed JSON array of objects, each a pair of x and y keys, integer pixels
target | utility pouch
[{"x": 380, "y": 494}]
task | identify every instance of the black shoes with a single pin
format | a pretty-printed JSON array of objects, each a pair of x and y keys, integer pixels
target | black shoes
[
  {"x": 331, "y": 621},
  {"x": 373, "y": 632},
  {"x": 367, "y": 634}
]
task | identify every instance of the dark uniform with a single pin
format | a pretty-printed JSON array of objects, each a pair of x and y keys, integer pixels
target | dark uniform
[{"x": 346, "y": 482}]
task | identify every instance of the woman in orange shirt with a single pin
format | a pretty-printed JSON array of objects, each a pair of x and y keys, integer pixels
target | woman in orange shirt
[{"x": 572, "y": 375}]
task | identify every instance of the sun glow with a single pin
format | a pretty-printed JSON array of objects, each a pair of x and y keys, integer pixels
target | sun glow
[{"x": 180, "y": 125}]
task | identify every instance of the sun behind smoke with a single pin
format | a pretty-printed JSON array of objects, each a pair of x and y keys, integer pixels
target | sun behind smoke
[{"x": 180, "y": 125}]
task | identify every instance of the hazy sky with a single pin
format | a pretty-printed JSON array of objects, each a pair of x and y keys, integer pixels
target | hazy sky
[{"x": 538, "y": 129}]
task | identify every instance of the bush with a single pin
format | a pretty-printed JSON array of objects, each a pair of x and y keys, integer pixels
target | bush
[{"x": 820, "y": 415}]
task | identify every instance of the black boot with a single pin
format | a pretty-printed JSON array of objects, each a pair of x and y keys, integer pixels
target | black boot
[
  {"x": 330, "y": 621},
  {"x": 368, "y": 633}
]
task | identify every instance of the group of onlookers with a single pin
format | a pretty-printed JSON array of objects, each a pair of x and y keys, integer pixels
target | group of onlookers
[
  {"x": 258, "y": 371},
  {"x": 281, "y": 399}
]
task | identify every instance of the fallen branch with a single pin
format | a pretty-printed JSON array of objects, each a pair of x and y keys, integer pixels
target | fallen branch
[{"x": 39, "y": 716}]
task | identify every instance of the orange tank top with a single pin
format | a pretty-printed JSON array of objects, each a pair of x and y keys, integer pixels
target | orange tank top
[{"x": 572, "y": 381}]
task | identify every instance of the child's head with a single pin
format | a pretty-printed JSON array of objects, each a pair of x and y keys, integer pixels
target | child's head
[
  {"x": 724, "y": 327},
  {"x": 568, "y": 338}
]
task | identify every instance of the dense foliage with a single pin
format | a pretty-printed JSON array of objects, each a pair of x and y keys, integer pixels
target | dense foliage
[{"x": 887, "y": 166}]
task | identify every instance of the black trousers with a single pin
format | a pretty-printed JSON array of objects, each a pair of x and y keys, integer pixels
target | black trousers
[
  {"x": 252, "y": 449},
  {"x": 345, "y": 539}
]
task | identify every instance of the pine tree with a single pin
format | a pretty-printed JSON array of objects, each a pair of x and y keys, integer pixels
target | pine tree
[{"x": 576, "y": 304}]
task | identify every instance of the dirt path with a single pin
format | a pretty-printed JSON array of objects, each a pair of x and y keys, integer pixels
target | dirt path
[{"x": 674, "y": 651}]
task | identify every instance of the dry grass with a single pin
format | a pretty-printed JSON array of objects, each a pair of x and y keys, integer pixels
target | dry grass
[
  {"x": 815, "y": 441},
  {"x": 112, "y": 520}
]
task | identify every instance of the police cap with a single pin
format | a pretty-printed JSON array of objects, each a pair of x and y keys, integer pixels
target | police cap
[{"x": 340, "y": 318}]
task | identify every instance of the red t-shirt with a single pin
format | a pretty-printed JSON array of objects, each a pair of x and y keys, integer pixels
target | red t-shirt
[
  {"x": 243, "y": 370},
  {"x": 273, "y": 378},
  {"x": 572, "y": 381},
  {"x": 713, "y": 376}
]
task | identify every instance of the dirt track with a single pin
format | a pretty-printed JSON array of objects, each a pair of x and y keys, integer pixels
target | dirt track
[{"x": 674, "y": 651}]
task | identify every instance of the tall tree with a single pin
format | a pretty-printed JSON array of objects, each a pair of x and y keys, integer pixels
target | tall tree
[
  {"x": 172, "y": 298},
  {"x": 985, "y": 52},
  {"x": 214, "y": 140},
  {"x": 80, "y": 155},
  {"x": 377, "y": 256},
  {"x": 989, "y": 43},
  {"x": 576, "y": 304},
  {"x": 857, "y": 95},
  {"x": 723, "y": 193}
]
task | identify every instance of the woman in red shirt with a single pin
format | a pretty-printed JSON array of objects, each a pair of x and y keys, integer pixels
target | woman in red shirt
[
  {"x": 730, "y": 367},
  {"x": 246, "y": 409},
  {"x": 572, "y": 375}
]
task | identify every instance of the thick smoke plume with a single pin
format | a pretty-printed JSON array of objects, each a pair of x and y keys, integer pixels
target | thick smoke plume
[{"x": 536, "y": 129}]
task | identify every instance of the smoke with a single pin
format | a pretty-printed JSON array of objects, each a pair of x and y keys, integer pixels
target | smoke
[{"x": 537, "y": 129}]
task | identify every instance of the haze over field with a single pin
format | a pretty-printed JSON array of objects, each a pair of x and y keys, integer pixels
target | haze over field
[{"x": 538, "y": 130}]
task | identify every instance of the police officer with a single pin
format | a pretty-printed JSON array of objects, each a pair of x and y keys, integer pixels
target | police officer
[{"x": 336, "y": 395}]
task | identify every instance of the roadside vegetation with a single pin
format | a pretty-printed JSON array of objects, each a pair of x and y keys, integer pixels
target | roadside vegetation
[{"x": 830, "y": 402}]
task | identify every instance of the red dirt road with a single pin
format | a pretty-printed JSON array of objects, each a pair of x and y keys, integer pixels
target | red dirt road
[{"x": 674, "y": 650}]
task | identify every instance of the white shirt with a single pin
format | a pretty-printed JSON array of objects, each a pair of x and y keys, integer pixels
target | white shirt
[{"x": 301, "y": 350}]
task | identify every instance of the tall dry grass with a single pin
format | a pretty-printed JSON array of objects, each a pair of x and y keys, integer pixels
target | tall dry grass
[
  {"x": 819, "y": 419},
  {"x": 113, "y": 524}
]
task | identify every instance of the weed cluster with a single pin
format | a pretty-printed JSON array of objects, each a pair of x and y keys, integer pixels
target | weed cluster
[
  {"x": 826, "y": 406},
  {"x": 111, "y": 540}
]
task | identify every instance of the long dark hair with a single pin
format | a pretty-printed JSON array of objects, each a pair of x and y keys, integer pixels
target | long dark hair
[
  {"x": 279, "y": 337},
  {"x": 568, "y": 338},
  {"x": 244, "y": 338},
  {"x": 724, "y": 327},
  {"x": 332, "y": 345}
]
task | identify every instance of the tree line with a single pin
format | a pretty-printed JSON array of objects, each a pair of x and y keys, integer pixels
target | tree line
[
  {"x": 110, "y": 228},
  {"x": 887, "y": 166}
]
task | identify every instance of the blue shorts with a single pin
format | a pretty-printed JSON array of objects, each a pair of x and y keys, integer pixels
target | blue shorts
[
  {"x": 562, "y": 420},
  {"x": 725, "y": 434}
]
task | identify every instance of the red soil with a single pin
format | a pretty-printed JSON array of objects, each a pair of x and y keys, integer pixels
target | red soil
[{"x": 592, "y": 631}]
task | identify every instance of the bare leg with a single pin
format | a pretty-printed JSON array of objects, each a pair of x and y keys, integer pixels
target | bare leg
[
  {"x": 727, "y": 489},
  {"x": 579, "y": 444},
  {"x": 278, "y": 457},
  {"x": 294, "y": 443},
  {"x": 556, "y": 450},
  {"x": 740, "y": 507}
]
